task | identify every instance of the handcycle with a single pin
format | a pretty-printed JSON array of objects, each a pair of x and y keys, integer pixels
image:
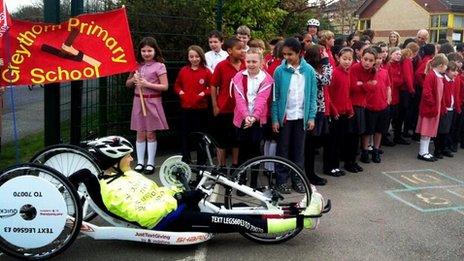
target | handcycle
[{"x": 42, "y": 211}]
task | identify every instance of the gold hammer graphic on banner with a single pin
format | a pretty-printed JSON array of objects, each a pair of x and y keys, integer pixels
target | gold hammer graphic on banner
[{"x": 67, "y": 47}]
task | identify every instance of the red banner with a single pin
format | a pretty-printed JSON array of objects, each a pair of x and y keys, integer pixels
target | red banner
[
  {"x": 84, "y": 47},
  {"x": 5, "y": 19}
]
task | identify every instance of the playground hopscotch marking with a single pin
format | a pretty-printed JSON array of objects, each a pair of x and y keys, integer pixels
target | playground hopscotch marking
[{"x": 428, "y": 190}]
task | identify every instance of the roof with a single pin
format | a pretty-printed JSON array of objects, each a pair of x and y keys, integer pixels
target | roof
[
  {"x": 370, "y": 7},
  {"x": 455, "y": 5},
  {"x": 433, "y": 6},
  {"x": 334, "y": 6}
]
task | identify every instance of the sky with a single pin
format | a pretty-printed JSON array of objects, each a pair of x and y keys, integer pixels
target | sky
[{"x": 13, "y": 5}]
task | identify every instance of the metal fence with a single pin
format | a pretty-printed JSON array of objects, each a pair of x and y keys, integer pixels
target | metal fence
[{"x": 107, "y": 103}]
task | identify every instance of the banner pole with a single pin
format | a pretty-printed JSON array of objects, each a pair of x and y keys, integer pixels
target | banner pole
[
  {"x": 77, "y": 8},
  {"x": 10, "y": 84},
  {"x": 52, "y": 119}
]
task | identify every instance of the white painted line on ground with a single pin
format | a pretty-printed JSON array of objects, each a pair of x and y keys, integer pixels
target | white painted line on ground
[
  {"x": 460, "y": 212},
  {"x": 200, "y": 253},
  {"x": 405, "y": 171}
]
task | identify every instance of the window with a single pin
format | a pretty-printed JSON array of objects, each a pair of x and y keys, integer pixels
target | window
[
  {"x": 458, "y": 21},
  {"x": 439, "y": 27},
  {"x": 433, "y": 36},
  {"x": 364, "y": 24},
  {"x": 434, "y": 20},
  {"x": 458, "y": 32},
  {"x": 444, "y": 20},
  {"x": 441, "y": 35}
]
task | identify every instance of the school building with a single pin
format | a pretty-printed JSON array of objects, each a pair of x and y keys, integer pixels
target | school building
[{"x": 443, "y": 18}]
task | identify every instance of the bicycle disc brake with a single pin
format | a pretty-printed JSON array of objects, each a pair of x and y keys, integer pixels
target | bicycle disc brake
[{"x": 171, "y": 169}]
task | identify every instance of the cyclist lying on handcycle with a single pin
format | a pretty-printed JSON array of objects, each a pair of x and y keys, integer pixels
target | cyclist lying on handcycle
[{"x": 135, "y": 198}]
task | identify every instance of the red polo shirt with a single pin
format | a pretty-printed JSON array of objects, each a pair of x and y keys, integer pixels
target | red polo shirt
[{"x": 223, "y": 73}]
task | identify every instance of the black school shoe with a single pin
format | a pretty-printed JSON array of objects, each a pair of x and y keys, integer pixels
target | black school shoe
[
  {"x": 139, "y": 168},
  {"x": 426, "y": 157},
  {"x": 387, "y": 142},
  {"x": 401, "y": 140},
  {"x": 438, "y": 155},
  {"x": 448, "y": 154},
  {"x": 358, "y": 168},
  {"x": 365, "y": 156},
  {"x": 317, "y": 181},
  {"x": 350, "y": 167},
  {"x": 376, "y": 156},
  {"x": 335, "y": 172},
  {"x": 298, "y": 187},
  {"x": 149, "y": 169}
]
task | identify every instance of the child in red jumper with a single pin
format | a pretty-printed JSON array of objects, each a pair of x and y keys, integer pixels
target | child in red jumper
[
  {"x": 401, "y": 74},
  {"x": 428, "y": 52},
  {"x": 453, "y": 137},
  {"x": 192, "y": 86},
  {"x": 222, "y": 101},
  {"x": 362, "y": 77},
  {"x": 430, "y": 106},
  {"x": 448, "y": 103},
  {"x": 341, "y": 111},
  {"x": 377, "y": 98}
]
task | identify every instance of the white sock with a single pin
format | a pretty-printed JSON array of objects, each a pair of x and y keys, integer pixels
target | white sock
[
  {"x": 266, "y": 148},
  {"x": 151, "y": 152},
  {"x": 140, "y": 146},
  {"x": 424, "y": 145},
  {"x": 272, "y": 148},
  {"x": 272, "y": 152}
]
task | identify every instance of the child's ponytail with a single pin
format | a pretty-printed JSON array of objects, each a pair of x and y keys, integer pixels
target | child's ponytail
[{"x": 437, "y": 60}]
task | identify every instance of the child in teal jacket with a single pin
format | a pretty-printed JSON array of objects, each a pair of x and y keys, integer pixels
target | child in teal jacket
[{"x": 293, "y": 109}]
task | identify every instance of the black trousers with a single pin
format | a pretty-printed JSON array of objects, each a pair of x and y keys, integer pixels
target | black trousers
[
  {"x": 400, "y": 118},
  {"x": 414, "y": 109},
  {"x": 249, "y": 141},
  {"x": 311, "y": 143},
  {"x": 291, "y": 146},
  {"x": 342, "y": 144},
  {"x": 193, "y": 121},
  {"x": 456, "y": 128}
]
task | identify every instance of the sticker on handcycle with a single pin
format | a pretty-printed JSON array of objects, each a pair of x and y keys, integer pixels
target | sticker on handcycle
[{"x": 33, "y": 212}]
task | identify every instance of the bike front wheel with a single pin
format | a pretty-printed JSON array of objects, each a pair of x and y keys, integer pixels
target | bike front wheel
[
  {"x": 290, "y": 188},
  {"x": 41, "y": 214}
]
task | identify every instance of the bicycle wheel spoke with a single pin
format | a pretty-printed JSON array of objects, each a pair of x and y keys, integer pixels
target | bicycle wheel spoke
[{"x": 284, "y": 186}]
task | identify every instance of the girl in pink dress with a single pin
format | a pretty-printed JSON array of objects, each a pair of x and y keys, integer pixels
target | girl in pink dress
[
  {"x": 150, "y": 79},
  {"x": 429, "y": 108}
]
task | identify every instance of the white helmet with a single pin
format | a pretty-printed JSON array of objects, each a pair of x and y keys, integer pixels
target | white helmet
[
  {"x": 109, "y": 150},
  {"x": 313, "y": 22}
]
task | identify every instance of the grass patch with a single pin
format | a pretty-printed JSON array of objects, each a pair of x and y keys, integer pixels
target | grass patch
[{"x": 28, "y": 146}]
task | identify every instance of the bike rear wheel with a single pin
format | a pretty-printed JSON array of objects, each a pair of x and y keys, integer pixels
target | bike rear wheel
[
  {"x": 67, "y": 159},
  {"x": 260, "y": 174},
  {"x": 43, "y": 213}
]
